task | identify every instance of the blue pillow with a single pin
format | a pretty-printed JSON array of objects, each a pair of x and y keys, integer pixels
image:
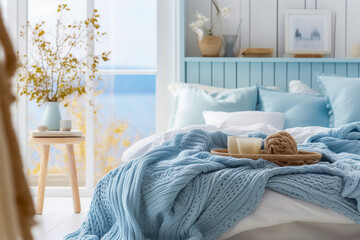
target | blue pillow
[
  {"x": 344, "y": 98},
  {"x": 191, "y": 102},
  {"x": 300, "y": 110}
]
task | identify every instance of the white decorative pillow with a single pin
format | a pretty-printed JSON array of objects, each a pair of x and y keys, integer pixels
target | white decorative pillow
[
  {"x": 244, "y": 118},
  {"x": 298, "y": 87}
]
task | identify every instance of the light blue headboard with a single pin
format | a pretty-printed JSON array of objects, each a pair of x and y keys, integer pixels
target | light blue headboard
[{"x": 244, "y": 72}]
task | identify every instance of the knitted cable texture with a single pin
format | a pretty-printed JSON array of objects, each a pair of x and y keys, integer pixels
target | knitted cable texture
[
  {"x": 181, "y": 191},
  {"x": 281, "y": 143}
]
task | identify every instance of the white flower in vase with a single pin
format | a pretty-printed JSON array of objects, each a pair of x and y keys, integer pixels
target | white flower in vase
[
  {"x": 198, "y": 15},
  {"x": 200, "y": 34},
  {"x": 198, "y": 26},
  {"x": 199, "y": 23},
  {"x": 201, "y": 17},
  {"x": 193, "y": 26},
  {"x": 210, "y": 40}
]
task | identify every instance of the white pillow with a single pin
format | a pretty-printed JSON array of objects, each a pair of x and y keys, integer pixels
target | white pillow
[
  {"x": 297, "y": 86},
  {"x": 244, "y": 118}
]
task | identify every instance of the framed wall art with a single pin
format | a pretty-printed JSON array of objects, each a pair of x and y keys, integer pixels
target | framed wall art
[{"x": 308, "y": 31}]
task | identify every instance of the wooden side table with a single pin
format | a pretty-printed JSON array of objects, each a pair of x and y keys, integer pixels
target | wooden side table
[{"x": 46, "y": 142}]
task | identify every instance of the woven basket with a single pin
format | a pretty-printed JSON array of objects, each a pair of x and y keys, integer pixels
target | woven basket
[{"x": 302, "y": 158}]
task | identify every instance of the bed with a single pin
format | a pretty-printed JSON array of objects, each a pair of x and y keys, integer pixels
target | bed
[
  {"x": 282, "y": 216},
  {"x": 156, "y": 194}
]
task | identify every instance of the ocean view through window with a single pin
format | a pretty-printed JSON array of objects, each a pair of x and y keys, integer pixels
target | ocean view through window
[{"x": 125, "y": 113}]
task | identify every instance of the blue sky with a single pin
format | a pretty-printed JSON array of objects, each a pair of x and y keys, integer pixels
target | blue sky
[{"x": 130, "y": 24}]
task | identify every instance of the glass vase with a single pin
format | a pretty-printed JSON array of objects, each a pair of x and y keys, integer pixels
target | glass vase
[{"x": 229, "y": 41}]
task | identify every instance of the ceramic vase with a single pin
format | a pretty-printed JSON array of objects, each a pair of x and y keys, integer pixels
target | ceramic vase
[
  {"x": 52, "y": 116},
  {"x": 210, "y": 46},
  {"x": 230, "y": 41}
]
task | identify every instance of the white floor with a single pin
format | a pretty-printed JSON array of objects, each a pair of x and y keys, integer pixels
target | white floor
[{"x": 58, "y": 218}]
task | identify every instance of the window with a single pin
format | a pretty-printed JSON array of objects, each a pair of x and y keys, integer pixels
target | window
[
  {"x": 126, "y": 103},
  {"x": 124, "y": 106},
  {"x": 132, "y": 27},
  {"x": 40, "y": 10}
]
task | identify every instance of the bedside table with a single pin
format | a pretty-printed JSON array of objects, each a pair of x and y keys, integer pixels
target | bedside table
[{"x": 46, "y": 142}]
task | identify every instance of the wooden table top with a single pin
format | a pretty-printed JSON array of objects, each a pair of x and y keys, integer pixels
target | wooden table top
[{"x": 56, "y": 140}]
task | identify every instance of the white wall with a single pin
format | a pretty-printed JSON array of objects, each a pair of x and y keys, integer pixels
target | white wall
[{"x": 263, "y": 22}]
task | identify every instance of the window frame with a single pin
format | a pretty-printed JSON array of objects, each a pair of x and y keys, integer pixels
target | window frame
[{"x": 17, "y": 12}]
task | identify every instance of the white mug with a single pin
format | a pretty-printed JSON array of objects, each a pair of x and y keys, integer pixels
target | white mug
[
  {"x": 65, "y": 125},
  {"x": 232, "y": 145},
  {"x": 249, "y": 145}
]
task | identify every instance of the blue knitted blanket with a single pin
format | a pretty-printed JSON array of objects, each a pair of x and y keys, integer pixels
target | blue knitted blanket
[{"x": 181, "y": 191}]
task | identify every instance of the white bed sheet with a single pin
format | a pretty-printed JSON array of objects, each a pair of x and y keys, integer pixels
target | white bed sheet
[
  {"x": 302, "y": 231},
  {"x": 275, "y": 208}
]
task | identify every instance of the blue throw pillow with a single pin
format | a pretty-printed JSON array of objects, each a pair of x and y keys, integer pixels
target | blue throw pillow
[
  {"x": 191, "y": 102},
  {"x": 344, "y": 98},
  {"x": 300, "y": 110}
]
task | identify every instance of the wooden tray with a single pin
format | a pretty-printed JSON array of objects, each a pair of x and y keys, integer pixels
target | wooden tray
[
  {"x": 302, "y": 158},
  {"x": 258, "y": 51}
]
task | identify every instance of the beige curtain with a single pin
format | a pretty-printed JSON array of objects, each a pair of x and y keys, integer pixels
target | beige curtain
[{"x": 16, "y": 205}]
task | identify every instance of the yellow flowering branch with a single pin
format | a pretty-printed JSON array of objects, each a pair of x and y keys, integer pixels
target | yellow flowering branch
[{"x": 58, "y": 66}]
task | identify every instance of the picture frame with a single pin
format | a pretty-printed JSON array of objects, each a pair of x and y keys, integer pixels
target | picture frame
[{"x": 308, "y": 31}]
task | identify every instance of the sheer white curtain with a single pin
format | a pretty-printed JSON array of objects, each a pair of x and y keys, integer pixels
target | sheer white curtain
[{"x": 168, "y": 38}]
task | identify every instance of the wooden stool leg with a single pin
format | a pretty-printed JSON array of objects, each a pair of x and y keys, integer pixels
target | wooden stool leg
[
  {"x": 73, "y": 177},
  {"x": 42, "y": 179}
]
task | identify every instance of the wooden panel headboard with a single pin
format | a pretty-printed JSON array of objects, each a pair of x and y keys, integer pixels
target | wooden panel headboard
[{"x": 244, "y": 72}]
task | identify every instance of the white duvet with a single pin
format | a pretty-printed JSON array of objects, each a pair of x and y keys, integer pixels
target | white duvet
[{"x": 275, "y": 208}]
